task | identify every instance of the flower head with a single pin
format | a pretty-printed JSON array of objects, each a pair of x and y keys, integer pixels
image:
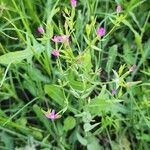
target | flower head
[
  {"x": 101, "y": 32},
  {"x": 40, "y": 30},
  {"x": 51, "y": 115},
  {"x": 60, "y": 38},
  {"x": 132, "y": 68},
  {"x": 55, "y": 53},
  {"x": 73, "y": 3},
  {"x": 113, "y": 92},
  {"x": 118, "y": 9}
]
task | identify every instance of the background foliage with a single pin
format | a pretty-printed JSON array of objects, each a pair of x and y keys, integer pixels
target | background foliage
[{"x": 78, "y": 84}]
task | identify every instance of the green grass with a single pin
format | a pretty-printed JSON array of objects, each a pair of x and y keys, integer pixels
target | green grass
[{"x": 79, "y": 83}]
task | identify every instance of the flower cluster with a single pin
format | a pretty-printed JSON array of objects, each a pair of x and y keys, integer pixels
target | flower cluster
[
  {"x": 65, "y": 38},
  {"x": 60, "y": 38}
]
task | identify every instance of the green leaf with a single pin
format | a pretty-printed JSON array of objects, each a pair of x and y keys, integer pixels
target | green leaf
[
  {"x": 15, "y": 57},
  {"x": 129, "y": 84},
  {"x": 98, "y": 105},
  {"x": 138, "y": 38},
  {"x": 75, "y": 84},
  {"x": 69, "y": 123},
  {"x": 8, "y": 140},
  {"x": 78, "y": 25},
  {"x": 2, "y": 113},
  {"x": 93, "y": 143},
  {"x": 36, "y": 74},
  {"x": 144, "y": 137},
  {"x": 42, "y": 117},
  {"x": 117, "y": 79},
  {"x": 18, "y": 56},
  {"x": 81, "y": 139},
  {"x": 111, "y": 58},
  {"x": 128, "y": 54},
  {"x": 56, "y": 93},
  {"x": 87, "y": 126},
  {"x": 122, "y": 67},
  {"x": 30, "y": 86},
  {"x": 147, "y": 49},
  {"x": 86, "y": 62}
]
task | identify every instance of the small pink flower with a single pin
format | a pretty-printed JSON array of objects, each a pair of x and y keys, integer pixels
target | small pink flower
[
  {"x": 118, "y": 9},
  {"x": 40, "y": 30},
  {"x": 113, "y": 92},
  {"x": 73, "y": 3},
  {"x": 51, "y": 115},
  {"x": 60, "y": 38},
  {"x": 132, "y": 68},
  {"x": 55, "y": 53},
  {"x": 101, "y": 32}
]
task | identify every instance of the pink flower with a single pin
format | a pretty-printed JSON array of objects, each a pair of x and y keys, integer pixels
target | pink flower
[
  {"x": 55, "y": 53},
  {"x": 118, "y": 9},
  {"x": 40, "y": 30},
  {"x": 60, "y": 38},
  {"x": 113, "y": 92},
  {"x": 101, "y": 32},
  {"x": 51, "y": 115},
  {"x": 132, "y": 68},
  {"x": 73, "y": 3}
]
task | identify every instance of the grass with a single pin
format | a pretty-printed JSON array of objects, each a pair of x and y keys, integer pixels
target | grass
[{"x": 78, "y": 84}]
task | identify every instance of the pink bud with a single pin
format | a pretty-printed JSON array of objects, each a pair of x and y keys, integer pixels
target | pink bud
[
  {"x": 113, "y": 91},
  {"x": 55, "y": 53},
  {"x": 132, "y": 68},
  {"x": 73, "y": 3},
  {"x": 100, "y": 32},
  {"x": 40, "y": 30},
  {"x": 118, "y": 9}
]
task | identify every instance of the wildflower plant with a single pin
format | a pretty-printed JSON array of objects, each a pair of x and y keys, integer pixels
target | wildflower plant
[{"x": 81, "y": 64}]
